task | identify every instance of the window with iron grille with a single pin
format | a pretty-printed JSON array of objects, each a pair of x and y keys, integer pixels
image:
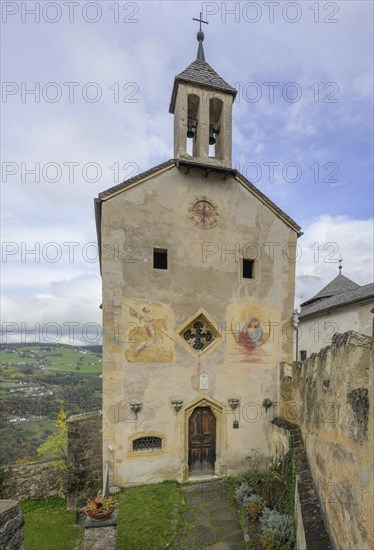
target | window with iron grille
[
  {"x": 147, "y": 444},
  {"x": 199, "y": 333}
]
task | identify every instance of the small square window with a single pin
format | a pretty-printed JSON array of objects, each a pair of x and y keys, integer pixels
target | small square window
[
  {"x": 302, "y": 355},
  {"x": 160, "y": 258},
  {"x": 248, "y": 268}
]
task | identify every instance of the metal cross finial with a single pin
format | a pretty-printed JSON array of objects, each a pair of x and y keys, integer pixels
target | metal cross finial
[
  {"x": 200, "y": 20},
  {"x": 340, "y": 264}
]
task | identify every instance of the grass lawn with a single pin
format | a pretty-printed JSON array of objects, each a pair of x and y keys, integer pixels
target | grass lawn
[
  {"x": 148, "y": 516},
  {"x": 48, "y": 525}
]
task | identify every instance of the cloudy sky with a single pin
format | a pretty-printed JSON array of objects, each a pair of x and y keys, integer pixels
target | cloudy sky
[{"x": 85, "y": 98}]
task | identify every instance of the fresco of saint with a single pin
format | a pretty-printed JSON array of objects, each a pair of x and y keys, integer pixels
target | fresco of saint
[
  {"x": 251, "y": 336},
  {"x": 252, "y": 339},
  {"x": 148, "y": 339}
]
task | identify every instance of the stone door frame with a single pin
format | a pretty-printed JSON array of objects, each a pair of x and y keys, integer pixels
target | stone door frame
[{"x": 218, "y": 410}]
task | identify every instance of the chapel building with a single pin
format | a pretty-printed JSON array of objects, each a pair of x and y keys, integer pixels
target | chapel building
[{"x": 197, "y": 301}]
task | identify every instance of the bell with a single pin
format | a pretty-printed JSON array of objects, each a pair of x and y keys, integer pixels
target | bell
[
  {"x": 213, "y": 131},
  {"x": 212, "y": 139},
  {"x": 191, "y": 125}
]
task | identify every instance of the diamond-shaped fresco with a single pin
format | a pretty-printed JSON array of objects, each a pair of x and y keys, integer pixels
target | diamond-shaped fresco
[{"x": 199, "y": 334}]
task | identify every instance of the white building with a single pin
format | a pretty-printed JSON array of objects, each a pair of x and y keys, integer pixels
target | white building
[{"x": 340, "y": 306}]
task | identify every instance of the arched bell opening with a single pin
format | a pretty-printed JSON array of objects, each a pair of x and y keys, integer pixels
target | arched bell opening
[
  {"x": 215, "y": 116},
  {"x": 192, "y": 121}
]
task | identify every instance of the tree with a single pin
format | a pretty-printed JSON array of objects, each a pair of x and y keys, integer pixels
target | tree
[{"x": 55, "y": 445}]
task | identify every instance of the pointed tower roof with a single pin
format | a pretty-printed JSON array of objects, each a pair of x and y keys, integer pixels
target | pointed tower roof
[
  {"x": 199, "y": 72},
  {"x": 336, "y": 286}
]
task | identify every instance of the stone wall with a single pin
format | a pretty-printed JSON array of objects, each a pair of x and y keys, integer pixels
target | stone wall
[
  {"x": 300, "y": 531},
  {"x": 84, "y": 452},
  {"x": 11, "y": 525},
  {"x": 311, "y": 532},
  {"x": 33, "y": 480},
  {"x": 84, "y": 458},
  {"x": 329, "y": 396}
]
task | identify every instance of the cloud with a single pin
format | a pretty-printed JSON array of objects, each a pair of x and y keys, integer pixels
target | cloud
[
  {"x": 325, "y": 240},
  {"x": 69, "y": 307},
  {"x": 119, "y": 135},
  {"x": 67, "y": 312}
]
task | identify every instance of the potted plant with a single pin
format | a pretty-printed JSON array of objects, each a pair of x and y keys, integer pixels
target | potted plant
[{"x": 101, "y": 507}]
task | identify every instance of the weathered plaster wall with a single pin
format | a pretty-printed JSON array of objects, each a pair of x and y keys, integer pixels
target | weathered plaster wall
[
  {"x": 330, "y": 396},
  {"x": 317, "y": 332},
  {"x": 204, "y": 273}
]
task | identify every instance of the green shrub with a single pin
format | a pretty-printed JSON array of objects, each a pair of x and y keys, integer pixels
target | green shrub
[
  {"x": 290, "y": 477},
  {"x": 264, "y": 480},
  {"x": 241, "y": 477},
  {"x": 268, "y": 484},
  {"x": 270, "y": 542},
  {"x": 255, "y": 505},
  {"x": 242, "y": 493},
  {"x": 91, "y": 487},
  {"x": 280, "y": 527},
  {"x": 55, "y": 447}
]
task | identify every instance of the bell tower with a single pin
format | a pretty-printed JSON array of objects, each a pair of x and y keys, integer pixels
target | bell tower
[{"x": 201, "y": 102}]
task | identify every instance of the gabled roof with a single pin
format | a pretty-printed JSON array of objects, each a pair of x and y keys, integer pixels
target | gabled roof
[
  {"x": 163, "y": 167},
  {"x": 201, "y": 73},
  {"x": 336, "y": 286},
  {"x": 340, "y": 299},
  {"x": 270, "y": 204},
  {"x": 108, "y": 193},
  {"x": 148, "y": 174}
]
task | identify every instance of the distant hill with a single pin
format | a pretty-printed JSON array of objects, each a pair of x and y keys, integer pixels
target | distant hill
[
  {"x": 37, "y": 380},
  {"x": 16, "y": 345}
]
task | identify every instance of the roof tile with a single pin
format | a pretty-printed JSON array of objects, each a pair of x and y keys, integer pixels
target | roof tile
[
  {"x": 338, "y": 300},
  {"x": 201, "y": 73},
  {"x": 337, "y": 285}
]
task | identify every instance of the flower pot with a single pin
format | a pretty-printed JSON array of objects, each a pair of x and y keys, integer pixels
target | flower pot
[
  {"x": 100, "y": 508},
  {"x": 100, "y": 515}
]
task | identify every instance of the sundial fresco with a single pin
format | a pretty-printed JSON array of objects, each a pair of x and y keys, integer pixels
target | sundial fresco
[{"x": 204, "y": 212}]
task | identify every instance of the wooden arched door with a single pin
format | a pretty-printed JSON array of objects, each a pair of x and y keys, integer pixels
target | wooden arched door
[{"x": 202, "y": 441}]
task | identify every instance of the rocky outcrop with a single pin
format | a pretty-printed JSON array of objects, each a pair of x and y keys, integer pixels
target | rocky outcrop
[{"x": 11, "y": 525}]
